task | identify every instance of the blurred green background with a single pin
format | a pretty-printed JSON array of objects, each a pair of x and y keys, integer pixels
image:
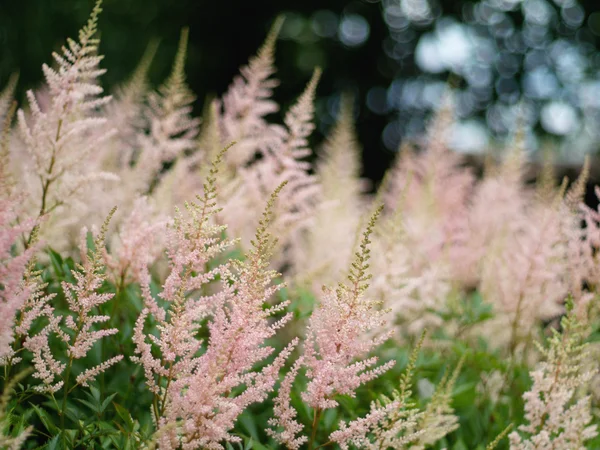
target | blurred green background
[{"x": 395, "y": 55}]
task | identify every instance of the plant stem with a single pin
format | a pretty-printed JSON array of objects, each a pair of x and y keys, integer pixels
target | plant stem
[{"x": 315, "y": 425}]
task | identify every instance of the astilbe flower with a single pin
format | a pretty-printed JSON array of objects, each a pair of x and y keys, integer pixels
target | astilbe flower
[
  {"x": 498, "y": 206},
  {"x": 126, "y": 116},
  {"x": 421, "y": 241},
  {"x": 172, "y": 129},
  {"x": 193, "y": 390},
  {"x": 267, "y": 154},
  {"x": 248, "y": 101},
  {"x": 413, "y": 289},
  {"x": 284, "y": 426},
  {"x": 37, "y": 305},
  {"x": 556, "y": 418},
  {"x": 584, "y": 245},
  {"x": 13, "y": 292},
  {"x": 76, "y": 328},
  {"x": 136, "y": 245},
  {"x": 530, "y": 262},
  {"x": 6, "y": 96},
  {"x": 336, "y": 348},
  {"x": 286, "y": 159},
  {"x": 523, "y": 278},
  {"x": 334, "y": 230},
  {"x": 396, "y": 422},
  {"x": 336, "y": 340},
  {"x": 7, "y": 441},
  {"x": 186, "y": 177},
  {"x": 62, "y": 138},
  {"x": 282, "y": 160},
  {"x": 437, "y": 186},
  {"x": 14, "y": 266}
]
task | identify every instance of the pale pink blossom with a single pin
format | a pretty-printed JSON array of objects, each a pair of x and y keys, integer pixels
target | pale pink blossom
[
  {"x": 248, "y": 101},
  {"x": 137, "y": 244},
  {"x": 172, "y": 129},
  {"x": 197, "y": 408},
  {"x": 285, "y": 427},
  {"x": 13, "y": 290},
  {"x": 61, "y": 139},
  {"x": 282, "y": 161},
  {"x": 338, "y": 338},
  {"x": 83, "y": 299},
  {"x": 322, "y": 251},
  {"x": 557, "y": 417}
]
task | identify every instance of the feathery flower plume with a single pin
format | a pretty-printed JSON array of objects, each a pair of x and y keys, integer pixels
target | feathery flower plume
[
  {"x": 187, "y": 175},
  {"x": 534, "y": 251},
  {"x": 6, "y": 96},
  {"x": 282, "y": 161},
  {"x": 125, "y": 114},
  {"x": 337, "y": 341},
  {"x": 336, "y": 348},
  {"x": 136, "y": 245},
  {"x": 396, "y": 422},
  {"x": 14, "y": 292},
  {"x": 413, "y": 288},
  {"x": 299, "y": 197},
  {"x": 335, "y": 227},
  {"x": 284, "y": 426},
  {"x": 61, "y": 140},
  {"x": 78, "y": 333},
  {"x": 421, "y": 242},
  {"x": 248, "y": 101},
  {"x": 524, "y": 276},
  {"x": 172, "y": 129},
  {"x": 556, "y": 417},
  {"x": 193, "y": 388}
]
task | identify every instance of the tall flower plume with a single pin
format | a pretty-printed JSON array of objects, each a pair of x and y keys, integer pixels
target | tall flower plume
[
  {"x": 335, "y": 227},
  {"x": 248, "y": 101},
  {"x": 62, "y": 140},
  {"x": 556, "y": 417},
  {"x": 282, "y": 160},
  {"x": 14, "y": 291},
  {"x": 397, "y": 422},
  {"x": 193, "y": 387},
  {"x": 172, "y": 129},
  {"x": 77, "y": 328},
  {"x": 126, "y": 115},
  {"x": 336, "y": 348}
]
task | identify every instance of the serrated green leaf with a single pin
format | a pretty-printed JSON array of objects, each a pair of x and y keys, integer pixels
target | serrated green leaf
[
  {"x": 57, "y": 264},
  {"x": 53, "y": 443},
  {"x": 46, "y": 419},
  {"x": 106, "y": 401},
  {"x": 90, "y": 405},
  {"x": 124, "y": 414}
]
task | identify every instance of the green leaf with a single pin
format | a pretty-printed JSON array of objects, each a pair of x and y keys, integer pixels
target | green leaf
[
  {"x": 53, "y": 443},
  {"x": 46, "y": 419},
  {"x": 460, "y": 445},
  {"x": 106, "y": 401},
  {"x": 124, "y": 414},
  {"x": 93, "y": 407},
  {"x": 57, "y": 264},
  {"x": 95, "y": 394},
  {"x": 248, "y": 424}
]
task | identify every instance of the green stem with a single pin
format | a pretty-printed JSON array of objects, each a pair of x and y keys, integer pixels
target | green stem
[
  {"x": 315, "y": 425},
  {"x": 64, "y": 402}
]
